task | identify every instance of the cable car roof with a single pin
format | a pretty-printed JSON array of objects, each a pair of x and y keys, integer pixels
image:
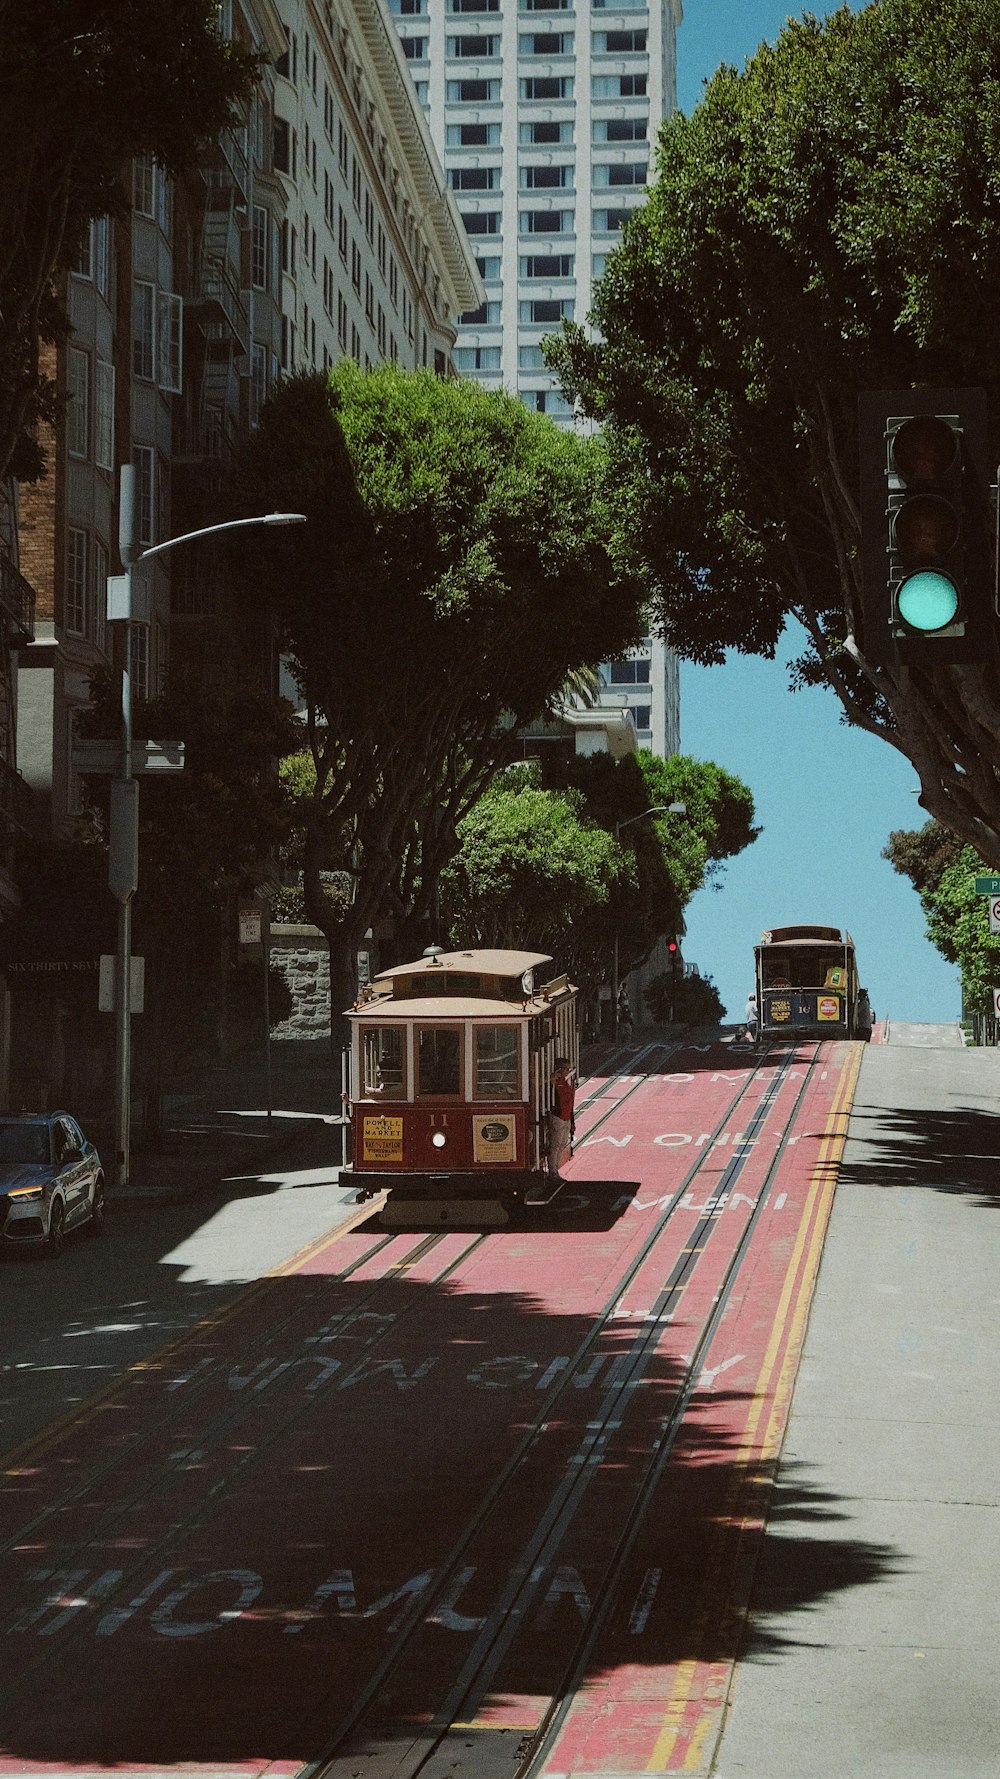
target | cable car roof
[
  {"x": 471, "y": 963},
  {"x": 383, "y": 1009}
]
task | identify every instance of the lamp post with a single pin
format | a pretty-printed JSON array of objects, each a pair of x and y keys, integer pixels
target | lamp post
[
  {"x": 123, "y": 862},
  {"x": 657, "y": 809}
]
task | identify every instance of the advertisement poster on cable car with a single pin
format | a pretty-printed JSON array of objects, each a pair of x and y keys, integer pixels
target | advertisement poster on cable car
[
  {"x": 382, "y": 1139},
  {"x": 494, "y": 1138}
]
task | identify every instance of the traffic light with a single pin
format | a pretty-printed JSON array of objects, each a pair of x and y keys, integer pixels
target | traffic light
[
  {"x": 673, "y": 952},
  {"x": 927, "y": 569}
]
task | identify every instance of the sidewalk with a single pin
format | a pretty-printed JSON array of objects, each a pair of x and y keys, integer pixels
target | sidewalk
[
  {"x": 222, "y": 1130},
  {"x": 873, "y": 1636}
]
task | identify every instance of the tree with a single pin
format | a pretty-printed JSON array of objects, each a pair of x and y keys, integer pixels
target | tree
[
  {"x": 87, "y": 85},
  {"x": 690, "y": 1000},
  {"x": 529, "y": 873},
  {"x": 825, "y": 222},
  {"x": 455, "y": 570},
  {"x": 943, "y": 872}
]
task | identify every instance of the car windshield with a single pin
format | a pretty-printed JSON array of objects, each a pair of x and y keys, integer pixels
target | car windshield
[{"x": 24, "y": 1142}]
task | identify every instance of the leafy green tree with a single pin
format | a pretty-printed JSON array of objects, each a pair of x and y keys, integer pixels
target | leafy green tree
[
  {"x": 958, "y": 925},
  {"x": 529, "y": 872},
  {"x": 87, "y": 85},
  {"x": 687, "y": 1000},
  {"x": 456, "y": 568},
  {"x": 943, "y": 873},
  {"x": 826, "y": 221}
]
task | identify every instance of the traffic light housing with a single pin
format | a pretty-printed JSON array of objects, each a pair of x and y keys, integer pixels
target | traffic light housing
[
  {"x": 673, "y": 952},
  {"x": 927, "y": 571}
]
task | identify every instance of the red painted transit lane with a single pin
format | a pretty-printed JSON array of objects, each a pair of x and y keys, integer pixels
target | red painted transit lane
[{"x": 208, "y": 1567}]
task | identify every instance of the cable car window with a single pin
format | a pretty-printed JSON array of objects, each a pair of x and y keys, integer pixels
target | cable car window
[
  {"x": 385, "y": 1061},
  {"x": 439, "y": 1062},
  {"x": 496, "y": 1070}
]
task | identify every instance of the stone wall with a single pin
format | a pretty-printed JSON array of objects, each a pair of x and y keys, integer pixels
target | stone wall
[{"x": 303, "y": 956}]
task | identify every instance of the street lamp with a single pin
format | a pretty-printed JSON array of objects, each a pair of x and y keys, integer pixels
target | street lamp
[
  {"x": 657, "y": 809},
  {"x": 123, "y": 872}
]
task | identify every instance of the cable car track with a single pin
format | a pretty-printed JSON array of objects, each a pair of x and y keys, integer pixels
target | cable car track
[{"x": 564, "y": 1502}]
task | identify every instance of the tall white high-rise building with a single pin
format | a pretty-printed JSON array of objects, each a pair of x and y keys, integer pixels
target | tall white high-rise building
[{"x": 544, "y": 113}]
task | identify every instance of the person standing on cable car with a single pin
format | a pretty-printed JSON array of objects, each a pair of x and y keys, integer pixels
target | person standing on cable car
[{"x": 561, "y": 1121}]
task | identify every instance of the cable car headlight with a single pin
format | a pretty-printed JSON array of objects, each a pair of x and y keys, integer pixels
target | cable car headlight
[{"x": 439, "y": 1139}]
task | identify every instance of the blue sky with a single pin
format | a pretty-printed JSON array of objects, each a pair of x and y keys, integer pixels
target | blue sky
[{"x": 827, "y": 796}]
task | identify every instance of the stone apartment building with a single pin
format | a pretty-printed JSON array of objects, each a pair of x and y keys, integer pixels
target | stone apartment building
[{"x": 320, "y": 224}]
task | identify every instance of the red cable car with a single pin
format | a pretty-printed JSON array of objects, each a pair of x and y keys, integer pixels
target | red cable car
[{"x": 451, "y": 1059}]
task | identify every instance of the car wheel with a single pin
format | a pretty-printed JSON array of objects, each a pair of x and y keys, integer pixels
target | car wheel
[
  {"x": 97, "y": 1210},
  {"x": 56, "y": 1231}
]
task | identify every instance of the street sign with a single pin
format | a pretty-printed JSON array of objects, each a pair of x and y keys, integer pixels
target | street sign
[
  {"x": 106, "y": 984},
  {"x": 249, "y": 926},
  {"x": 988, "y": 886},
  {"x": 123, "y": 839},
  {"x": 994, "y": 909},
  {"x": 103, "y": 759},
  {"x": 996, "y": 1002}
]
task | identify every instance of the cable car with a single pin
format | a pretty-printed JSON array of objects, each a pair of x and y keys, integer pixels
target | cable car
[
  {"x": 807, "y": 983},
  {"x": 451, "y": 1059}
]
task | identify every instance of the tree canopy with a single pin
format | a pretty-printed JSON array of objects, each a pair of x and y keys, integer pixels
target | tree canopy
[
  {"x": 455, "y": 568},
  {"x": 826, "y": 221},
  {"x": 87, "y": 85}
]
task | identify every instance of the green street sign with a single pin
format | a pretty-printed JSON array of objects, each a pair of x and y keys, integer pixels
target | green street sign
[{"x": 988, "y": 886}]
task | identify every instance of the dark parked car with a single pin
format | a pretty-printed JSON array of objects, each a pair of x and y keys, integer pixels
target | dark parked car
[{"x": 51, "y": 1180}]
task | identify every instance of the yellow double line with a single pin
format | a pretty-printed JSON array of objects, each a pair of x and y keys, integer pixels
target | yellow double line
[{"x": 720, "y": 1608}]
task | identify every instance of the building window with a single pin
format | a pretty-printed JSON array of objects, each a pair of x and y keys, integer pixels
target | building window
[
  {"x": 545, "y": 43},
  {"x": 489, "y": 268},
  {"x": 472, "y": 92},
  {"x": 140, "y": 659},
  {"x": 641, "y": 715},
  {"x": 144, "y": 186},
  {"x": 546, "y": 132},
  {"x": 543, "y": 86},
  {"x": 482, "y": 222},
  {"x": 472, "y": 135},
  {"x": 548, "y": 265},
  {"x": 169, "y": 336},
  {"x": 620, "y": 129},
  {"x": 78, "y": 406},
  {"x": 471, "y": 48},
  {"x": 542, "y": 310},
  {"x": 619, "y": 43},
  {"x": 546, "y": 222},
  {"x": 144, "y": 461},
  {"x": 477, "y": 358},
  {"x": 143, "y": 340},
  {"x": 414, "y": 48},
  {"x": 474, "y": 178},
  {"x": 619, "y": 86},
  {"x": 104, "y": 415},
  {"x": 529, "y": 358},
  {"x": 75, "y": 602},
  {"x": 356, "y": 266},
  {"x": 258, "y": 381},
  {"x": 620, "y": 173},
  {"x": 259, "y": 248},
  {"x": 546, "y": 178},
  {"x": 487, "y": 315},
  {"x": 99, "y": 603},
  {"x": 342, "y": 319},
  {"x": 459, "y": 6},
  {"x": 609, "y": 222},
  {"x": 629, "y": 673}
]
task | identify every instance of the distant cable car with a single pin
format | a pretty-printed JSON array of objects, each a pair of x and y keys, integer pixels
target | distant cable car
[
  {"x": 451, "y": 1059},
  {"x": 807, "y": 983}
]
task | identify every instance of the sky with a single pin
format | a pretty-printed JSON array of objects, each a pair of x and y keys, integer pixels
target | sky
[{"x": 827, "y": 797}]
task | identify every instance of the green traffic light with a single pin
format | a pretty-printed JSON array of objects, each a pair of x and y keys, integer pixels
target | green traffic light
[{"x": 927, "y": 601}]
